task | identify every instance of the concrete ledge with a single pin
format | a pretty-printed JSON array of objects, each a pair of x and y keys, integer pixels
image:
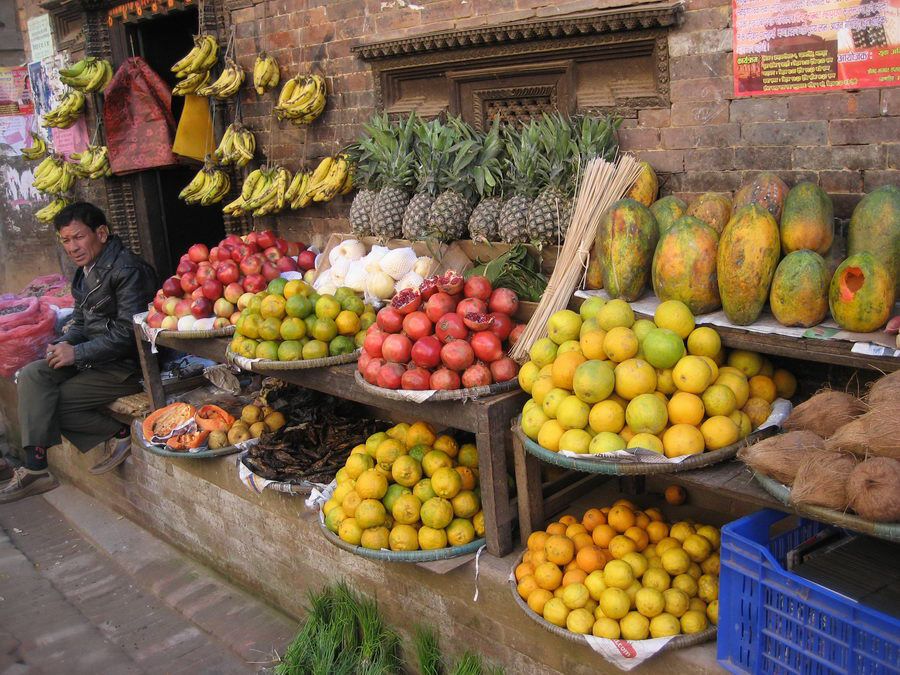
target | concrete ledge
[{"x": 271, "y": 545}]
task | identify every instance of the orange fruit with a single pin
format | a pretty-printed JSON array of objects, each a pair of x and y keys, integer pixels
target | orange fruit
[
  {"x": 536, "y": 540},
  {"x": 641, "y": 520},
  {"x": 575, "y": 528},
  {"x": 638, "y": 536},
  {"x": 556, "y": 528},
  {"x": 620, "y": 545},
  {"x": 655, "y": 514},
  {"x": 526, "y": 557},
  {"x": 763, "y": 387},
  {"x": 620, "y": 518},
  {"x": 537, "y": 599},
  {"x": 547, "y": 576},
  {"x": 625, "y": 502},
  {"x": 568, "y": 520},
  {"x": 539, "y": 557},
  {"x": 571, "y": 566},
  {"x": 524, "y": 570},
  {"x": 468, "y": 477},
  {"x": 602, "y": 535},
  {"x": 592, "y": 518},
  {"x": 526, "y": 586},
  {"x": 590, "y": 558},
  {"x": 675, "y": 495},
  {"x": 575, "y": 576},
  {"x": 581, "y": 540},
  {"x": 657, "y": 531},
  {"x": 559, "y": 549}
]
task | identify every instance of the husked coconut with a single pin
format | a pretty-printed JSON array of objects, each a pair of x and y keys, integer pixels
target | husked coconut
[
  {"x": 825, "y": 412},
  {"x": 874, "y": 489},
  {"x": 780, "y": 457},
  {"x": 821, "y": 480}
]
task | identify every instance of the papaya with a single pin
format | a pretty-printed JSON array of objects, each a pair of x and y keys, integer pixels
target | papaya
[
  {"x": 799, "y": 295},
  {"x": 162, "y": 421},
  {"x": 646, "y": 186},
  {"x": 626, "y": 240},
  {"x": 766, "y": 190},
  {"x": 861, "y": 295},
  {"x": 712, "y": 208},
  {"x": 684, "y": 265},
  {"x": 749, "y": 249},
  {"x": 594, "y": 278},
  {"x": 807, "y": 221},
  {"x": 875, "y": 227},
  {"x": 666, "y": 211}
]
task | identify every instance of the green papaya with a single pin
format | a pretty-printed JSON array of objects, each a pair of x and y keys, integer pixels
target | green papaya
[
  {"x": 861, "y": 295},
  {"x": 684, "y": 265},
  {"x": 799, "y": 295},
  {"x": 749, "y": 249},
  {"x": 626, "y": 239},
  {"x": 807, "y": 221},
  {"x": 666, "y": 211},
  {"x": 875, "y": 227}
]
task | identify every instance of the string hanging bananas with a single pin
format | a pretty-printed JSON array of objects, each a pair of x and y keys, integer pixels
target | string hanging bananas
[
  {"x": 263, "y": 193},
  {"x": 302, "y": 99},
  {"x": 54, "y": 176},
  {"x": 227, "y": 84},
  {"x": 208, "y": 187},
  {"x": 37, "y": 150},
  {"x": 266, "y": 73},
  {"x": 200, "y": 59},
  {"x": 88, "y": 75},
  {"x": 66, "y": 113},
  {"x": 48, "y": 213},
  {"x": 93, "y": 163},
  {"x": 329, "y": 179},
  {"x": 236, "y": 147}
]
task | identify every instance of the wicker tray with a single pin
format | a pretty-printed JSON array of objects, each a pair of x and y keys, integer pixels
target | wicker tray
[
  {"x": 259, "y": 484},
  {"x": 137, "y": 438},
  {"x": 677, "y": 642},
  {"x": 269, "y": 366},
  {"x": 402, "y": 556},
  {"x": 432, "y": 395},
  {"x": 888, "y": 531},
  {"x": 228, "y": 331}
]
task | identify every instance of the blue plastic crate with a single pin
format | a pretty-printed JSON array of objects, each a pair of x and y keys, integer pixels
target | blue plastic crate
[{"x": 772, "y": 621}]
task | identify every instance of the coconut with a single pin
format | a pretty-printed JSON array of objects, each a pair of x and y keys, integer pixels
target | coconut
[
  {"x": 875, "y": 433},
  {"x": 398, "y": 262},
  {"x": 780, "y": 457},
  {"x": 884, "y": 390},
  {"x": 821, "y": 480},
  {"x": 874, "y": 489},
  {"x": 825, "y": 413}
]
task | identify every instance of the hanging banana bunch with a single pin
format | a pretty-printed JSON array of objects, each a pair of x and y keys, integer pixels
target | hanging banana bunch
[
  {"x": 209, "y": 186},
  {"x": 88, "y": 75},
  {"x": 191, "y": 83},
  {"x": 227, "y": 84},
  {"x": 200, "y": 59},
  {"x": 37, "y": 150},
  {"x": 92, "y": 163},
  {"x": 263, "y": 193},
  {"x": 48, "y": 213},
  {"x": 328, "y": 180},
  {"x": 236, "y": 147},
  {"x": 266, "y": 73},
  {"x": 66, "y": 113},
  {"x": 54, "y": 176},
  {"x": 302, "y": 99}
]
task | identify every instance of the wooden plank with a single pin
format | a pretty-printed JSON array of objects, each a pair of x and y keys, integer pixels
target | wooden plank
[
  {"x": 153, "y": 385},
  {"x": 529, "y": 493},
  {"x": 731, "y": 480}
]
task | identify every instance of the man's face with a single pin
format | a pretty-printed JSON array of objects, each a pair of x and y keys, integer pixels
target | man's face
[{"x": 82, "y": 244}]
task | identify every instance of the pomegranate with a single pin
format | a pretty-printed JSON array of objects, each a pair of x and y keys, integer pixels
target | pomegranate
[
  {"x": 396, "y": 348},
  {"x": 478, "y": 322},
  {"x": 417, "y": 325},
  {"x": 407, "y": 301},
  {"x": 487, "y": 346},
  {"x": 457, "y": 355},
  {"x": 428, "y": 287},
  {"x": 504, "y": 369},
  {"x": 373, "y": 367},
  {"x": 426, "y": 352},
  {"x": 363, "y": 361},
  {"x": 389, "y": 375},
  {"x": 439, "y": 304},
  {"x": 450, "y": 327},
  {"x": 504, "y": 300},
  {"x": 389, "y": 320},
  {"x": 516, "y": 333},
  {"x": 417, "y": 379},
  {"x": 443, "y": 378},
  {"x": 478, "y": 375},
  {"x": 473, "y": 305},
  {"x": 502, "y": 325},
  {"x": 478, "y": 287},
  {"x": 372, "y": 343},
  {"x": 451, "y": 282}
]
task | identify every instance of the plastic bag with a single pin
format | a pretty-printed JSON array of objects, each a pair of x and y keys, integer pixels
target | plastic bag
[
  {"x": 24, "y": 333},
  {"x": 51, "y": 288}
]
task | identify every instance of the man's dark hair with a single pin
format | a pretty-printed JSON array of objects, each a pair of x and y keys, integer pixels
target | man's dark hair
[{"x": 84, "y": 212}]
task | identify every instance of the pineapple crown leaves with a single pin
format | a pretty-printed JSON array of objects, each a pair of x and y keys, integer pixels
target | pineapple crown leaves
[
  {"x": 487, "y": 173},
  {"x": 390, "y": 148},
  {"x": 520, "y": 168},
  {"x": 456, "y": 174},
  {"x": 433, "y": 141},
  {"x": 596, "y": 137},
  {"x": 559, "y": 159}
]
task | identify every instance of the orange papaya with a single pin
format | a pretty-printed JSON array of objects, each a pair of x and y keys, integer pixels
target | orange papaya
[
  {"x": 799, "y": 295},
  {"x": 213, "y": 418},
  {"x": 875, "y": 227},
  {"x": 646, "y": 186},
  {"x": 626, "y": 239},
  {"x": 861, "y": 295},
  {"x": 163, "y": 421},
  {"x": 712, "y": 208},
  {"x": 807, "y": 221},
  {"x": 684, "y": 265},
  {"x": 749, "y": 249},
  {"x": 766, "y": 190},
  {"x": 188, "y": 441},
  {"x": 666, "y": 211}
]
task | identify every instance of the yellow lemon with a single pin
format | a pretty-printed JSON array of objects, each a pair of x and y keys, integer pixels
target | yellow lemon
[
  {"x": 375, "y": 538},
  {"x": 620, "y": 344},
  {"x": 719, "y": 432},
  {"x": 749, "y": 363},
  {"x": 350, "y": 531},
  {"x": 638, "y": 563},
  {"x": 580, "y": 621},
  {"x": 664, "y": 625},
  {"x": 431, "y": 538},
  {"x": 595, "y": 584},
  {"x": 552, "y": 400},
  {"x": 371, "y": 485},
  {"x": 573, "y": 346},
  {"x": 272, "y": 306},
  {"x": 635, "y": 377},
  {"x": 649, "y": 602},
  {"x": 676, "y": 316},
  {"x": 677, "y": 601},
  {"x": 607, "y": 416},
  {"x": 698, "y": 548},
  {"x": 556, "y": 612},
  {"x": 711, "y": 534},
  {"x": 334, "y": 517},
  {"x": 719, "y": 400},
  {"x": 743, "y": 423},
  {"x": 563, "y": 326},
  {"x": 708, "y": 588},
  {"x": 738, "y": 385},
  {"x": 691, "y": 374},
  {"x": 712, "y": 612},
  {"x": 614, "y": 602},
  {"x": 403, "y": 538},
  {"x": 550, "y": 434},
  {"x": 576, "y": 596},
  {"x": 436, "y": 513},
  {"x": 704, "y": 341},
  {"x": 357, "y": 463},
  {"x": 604, "y": 627},
  {"x": 682, "y": 439},
  {"x": 528, "y": 374},
  {"x": 406, "y": 471},
  {"x": 664, "y": 381},
  {"x": 606, "y": 441},
  {"x": 406, "y": 508},
  {"x": 680, "y": 531},
  {"x": 434, "y": 460},
  {"x": 647, "y": 441},
  {"x": 370, "y": 513},
  {"x": 675, "y": 561},
  {"x": 656, "y": 578},
  {"x": 446, "y": 482},
  {"x": 614, "y": 313},
  {"x": 575, "y": 440},
  {"x": 635, "y": 626},
  {"x": 693, "y": 621},
  {"x": 460, "y": 532},
  {"x": 617, "y": 574},
  {"x": 347, "y": 323},
  {"x": 572, "y": 413},
  {"x": 666, "y": 543},
  {"x": 543, "y": 352},
  {"x": 698, "y": 605},
  {"x": 646, "y": 414},
  {"x": 532, "y": 421},
  {"x": 686, "y": 583},
  {"x": 542, "y": 386}
]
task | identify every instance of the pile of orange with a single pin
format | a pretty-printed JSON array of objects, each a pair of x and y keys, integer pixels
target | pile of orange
[{"x": 623, "y": 572}]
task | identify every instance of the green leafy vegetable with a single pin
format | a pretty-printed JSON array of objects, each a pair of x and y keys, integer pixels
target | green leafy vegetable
[{"x": 515, "y": 270}]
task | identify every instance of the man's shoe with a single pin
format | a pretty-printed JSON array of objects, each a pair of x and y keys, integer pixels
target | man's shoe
[
  {"x": 25, "y": 483},
  {"x": 6, "y": 470},
  {"x": 118, "y": 451}
]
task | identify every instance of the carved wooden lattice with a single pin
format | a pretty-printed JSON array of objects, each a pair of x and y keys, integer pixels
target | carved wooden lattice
[{"x": 517, "y": 111}]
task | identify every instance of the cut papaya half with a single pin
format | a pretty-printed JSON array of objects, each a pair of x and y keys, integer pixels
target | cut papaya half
[{"x": 213, "y": 418}]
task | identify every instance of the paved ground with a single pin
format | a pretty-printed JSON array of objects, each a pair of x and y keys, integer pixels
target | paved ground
[{"x": 90, "y": 592}]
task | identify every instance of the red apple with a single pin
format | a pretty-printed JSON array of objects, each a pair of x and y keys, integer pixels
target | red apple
[
  {"x": 221, "y": 322},
  {"x": 287, "y": 264},
  {"x": 169, "y": 323},
  {"x": 214, "y": 254},
  {"x": 306, "y": 260},
  {"x": 233, "y": 319},
  {"x": 172, "y": 287},
  {"x": 265, "y": 239},
  {"x": 232, "y": 292},
  {"x": 225, "y": 251},
  {"x": 269, "y": 271},
  {"x": 183, "y": 308},
  {"x": 273, "y": 254},
  {"x": 244, "y": 300},
  {"x": 233, "y": 240},
  {"x": 244, "y": 251},
  {"x": 189, "y": 282},
  {"x": 206, "y": 273},
  {"x": 155, "y": 318},
  {"x": 223, "y": 308},
  {"x": 201, "y": 308},
  {"x": 170, "y": 305},
  {"x": 158, "y": 300},
  {"x": 212, "y": 289},
  {"x": 281, "y": 245},
  {"x": 254, "y": 283},
  {"x": 228, "y": 272},
  {"x": 186, "y": 266},
  {"x": 251, "y": 265},
  {"x": 197, "y": 293},
  {"x": 294, "y": 248},
  {"x": 198, "y": 252},
  {"x": 250, "y": 238}
]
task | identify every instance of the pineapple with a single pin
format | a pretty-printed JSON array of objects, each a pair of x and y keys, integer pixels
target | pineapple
[
  {"x": 359, "y": 212},
  {"x": 392, "y": 150},
  {"x": 363, "y": 178},
  {"x": 433, "y": 140},
  {"x": 449, "y": 216},
  {"x": 486, "y": 175},
  {"x": 522, "y": 149},
  {"x": 550, "y": 212}
]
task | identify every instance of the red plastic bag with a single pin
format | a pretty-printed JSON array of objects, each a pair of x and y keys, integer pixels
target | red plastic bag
[
  {"x": 52, "y": 288},
  {"x": 137, "y": 115},
  {"x": 26, "y": 328}
]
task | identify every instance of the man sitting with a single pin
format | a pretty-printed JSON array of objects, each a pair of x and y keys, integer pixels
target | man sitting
[{"x": 92, "y": 364}]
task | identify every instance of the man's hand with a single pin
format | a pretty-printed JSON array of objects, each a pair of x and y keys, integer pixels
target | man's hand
[{"x": 60, "y": 355}]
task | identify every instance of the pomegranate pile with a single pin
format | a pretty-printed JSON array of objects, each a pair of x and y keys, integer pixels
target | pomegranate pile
[
  {"x": 204, "y": 291},
  {"x": 449, "y": 334}
]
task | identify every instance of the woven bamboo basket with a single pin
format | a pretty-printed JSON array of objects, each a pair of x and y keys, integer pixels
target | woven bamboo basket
[
  {"x": 436, "y": 395},
  {"x": 269, "y": 366},
  {"x": 402, "y": 556}
]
